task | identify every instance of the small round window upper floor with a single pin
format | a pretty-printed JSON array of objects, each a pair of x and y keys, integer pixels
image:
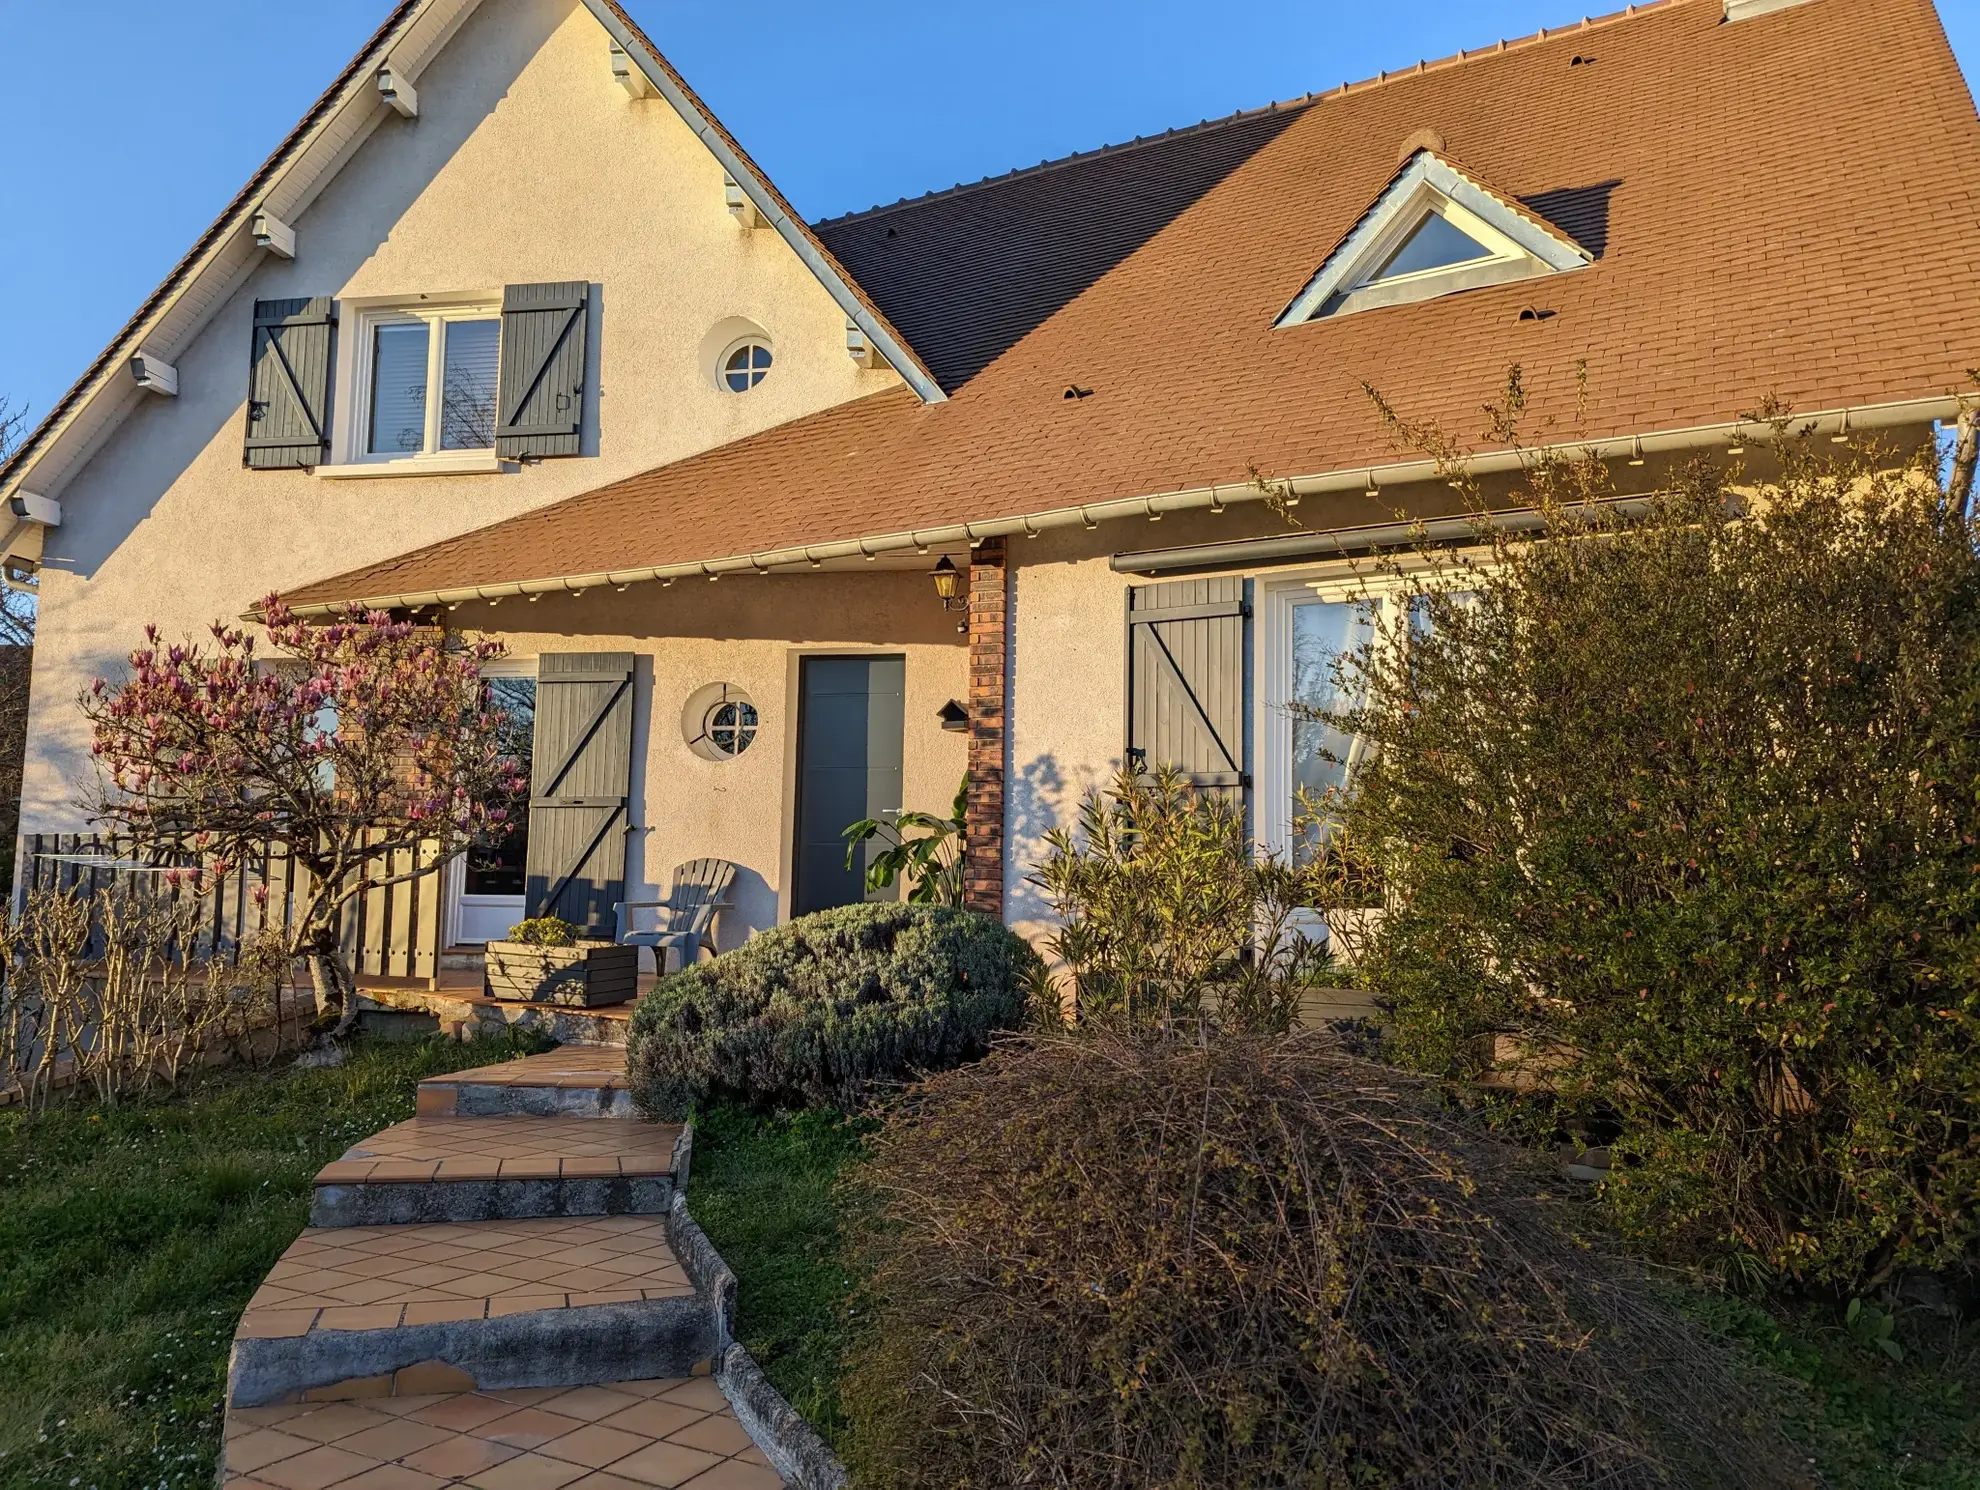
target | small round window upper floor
[{"x": 745, "y": 364}]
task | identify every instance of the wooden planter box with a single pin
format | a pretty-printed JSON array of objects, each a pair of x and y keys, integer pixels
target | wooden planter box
[{"x": 581, "y": 977}]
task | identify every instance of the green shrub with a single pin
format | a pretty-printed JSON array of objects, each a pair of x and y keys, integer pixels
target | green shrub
[
  {"x": 1686, "y": 810},
  {"x": 1112, "y": 1262},
  {"x": 544, "y": 931},
  {"x": 818, "y": 1011},
  {"x": 1167, "y": 912}
]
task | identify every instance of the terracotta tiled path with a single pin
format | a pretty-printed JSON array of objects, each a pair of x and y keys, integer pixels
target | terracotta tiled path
[
  {"x": 379, "y": 1277},
  {"x": 481, "y": 1148},
  {"x": 627, "y": 1435},
  {"x": 409, "y": 1415}
]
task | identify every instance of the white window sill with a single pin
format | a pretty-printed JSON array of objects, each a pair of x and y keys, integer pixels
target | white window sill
[{"x": 454, "y": 463}]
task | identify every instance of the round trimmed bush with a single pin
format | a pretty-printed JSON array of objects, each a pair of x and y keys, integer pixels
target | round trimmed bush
[
  {"x": 815, "y": 1012},
  {"x": 1107, "y": 1260}
]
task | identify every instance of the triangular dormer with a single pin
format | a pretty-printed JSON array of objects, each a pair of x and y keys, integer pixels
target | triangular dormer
[{"x": 1434, "y": 231}]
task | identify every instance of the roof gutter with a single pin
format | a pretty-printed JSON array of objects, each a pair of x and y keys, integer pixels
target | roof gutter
[{"x": 1215, "y": 498}]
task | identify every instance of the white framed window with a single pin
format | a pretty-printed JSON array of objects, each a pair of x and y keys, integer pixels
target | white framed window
[
  {"x": 1308, "y": 621},
  {"x": 745, "y": 364},
  {"x": 421, "y": 385}
]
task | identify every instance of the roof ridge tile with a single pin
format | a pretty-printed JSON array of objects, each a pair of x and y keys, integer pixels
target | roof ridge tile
[{"x": 1339, "y": 90}]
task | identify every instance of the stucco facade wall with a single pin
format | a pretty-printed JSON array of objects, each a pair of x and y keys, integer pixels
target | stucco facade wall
[
  {"x": 751, "y": 633},
  {"x": 527, "y": 163}
]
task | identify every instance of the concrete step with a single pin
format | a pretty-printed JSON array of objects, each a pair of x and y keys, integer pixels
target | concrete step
[
  {"x": 382, "y": 1310},
  {"x": 459, "y": 1009},
  {"x": 451, "y": 1169},
  {"x": 463, "y": 959},
  {"x": 573, "y": 1081}
]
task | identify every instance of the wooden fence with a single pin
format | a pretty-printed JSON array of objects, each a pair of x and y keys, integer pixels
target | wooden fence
[{"x": 393, "y": 931}]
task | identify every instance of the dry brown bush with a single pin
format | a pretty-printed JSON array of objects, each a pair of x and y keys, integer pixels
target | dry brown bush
[
  {"x": 1105, "y": 1260},
  {"x": 120, "y": 991}
]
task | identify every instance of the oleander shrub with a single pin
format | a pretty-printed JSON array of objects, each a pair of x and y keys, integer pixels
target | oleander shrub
[
  {"x": 1682, "y": 811},
  {"x": 1112, "y": 1260},
  {"x": 821, "y": 1010}
]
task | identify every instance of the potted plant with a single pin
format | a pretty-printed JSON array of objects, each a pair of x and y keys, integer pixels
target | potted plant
[{"x": 545, "y": 961}]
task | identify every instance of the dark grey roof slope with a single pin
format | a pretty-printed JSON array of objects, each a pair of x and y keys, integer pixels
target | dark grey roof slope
[{"x": 965, "y": 274}]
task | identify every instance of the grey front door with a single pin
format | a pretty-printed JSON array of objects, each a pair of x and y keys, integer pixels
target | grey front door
[{"x": 851, "y": 711}]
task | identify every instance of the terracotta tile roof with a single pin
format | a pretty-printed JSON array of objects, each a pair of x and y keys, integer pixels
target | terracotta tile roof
[{"x": 1769, "y": 203}]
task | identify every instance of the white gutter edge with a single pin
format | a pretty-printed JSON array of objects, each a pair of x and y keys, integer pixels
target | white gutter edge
[
  {"x": 635, "y": 47},
  {"x": 1092, "y": 514}
]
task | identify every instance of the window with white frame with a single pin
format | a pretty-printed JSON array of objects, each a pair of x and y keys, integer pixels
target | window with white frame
[
  {"x": 427, "y": 378},
  {"x": 1308, "y": 761}
]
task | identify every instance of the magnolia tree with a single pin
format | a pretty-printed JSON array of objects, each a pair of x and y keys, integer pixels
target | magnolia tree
[{"x": 360, "y": 741}]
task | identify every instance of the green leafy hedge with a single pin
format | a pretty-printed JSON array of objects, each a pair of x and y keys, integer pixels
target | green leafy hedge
[
  {"x": 815, "y": 1012},
  {"x": 1680, "y": 818}
]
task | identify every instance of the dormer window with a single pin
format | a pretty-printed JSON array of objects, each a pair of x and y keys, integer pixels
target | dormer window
[
  {"x": 1434, "y": 231},
  {"x": 1431, "y": 245}
]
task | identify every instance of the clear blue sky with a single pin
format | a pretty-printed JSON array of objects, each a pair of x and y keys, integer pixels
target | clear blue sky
[{"x": 129, "y": 123}]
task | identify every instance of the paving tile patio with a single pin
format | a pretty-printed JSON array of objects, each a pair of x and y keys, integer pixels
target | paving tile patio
[{"x": 667, "y": 1434}]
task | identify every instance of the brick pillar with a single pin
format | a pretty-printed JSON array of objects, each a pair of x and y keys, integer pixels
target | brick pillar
[{"x": 983, "y": 873}]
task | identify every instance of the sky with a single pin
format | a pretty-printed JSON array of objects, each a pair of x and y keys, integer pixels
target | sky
[{"x": 129, "y": 123}]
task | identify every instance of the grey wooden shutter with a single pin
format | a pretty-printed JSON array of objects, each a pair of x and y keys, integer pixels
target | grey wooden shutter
[
  {"x": 580, "y": 782},
  {"x": 540, "y": 406},
  {"x": 1186, "y": 678},
  {"x": 288, "y": 422}
]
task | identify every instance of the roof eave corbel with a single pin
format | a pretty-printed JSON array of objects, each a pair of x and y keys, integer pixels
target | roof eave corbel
[{"x": 899, "y": 355}]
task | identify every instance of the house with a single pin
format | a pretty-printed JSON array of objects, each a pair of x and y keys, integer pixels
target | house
[{"x": 512, "y": 336}]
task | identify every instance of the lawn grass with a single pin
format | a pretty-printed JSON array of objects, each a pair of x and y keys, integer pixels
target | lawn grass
[
  {"x": 1866, "y": 1421},
  {"x": 764, "y": 1189},
  {"x": 131, "y": 1238}
]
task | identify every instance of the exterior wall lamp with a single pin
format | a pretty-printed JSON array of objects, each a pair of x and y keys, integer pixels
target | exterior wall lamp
[{"x": 948, "y": 584}]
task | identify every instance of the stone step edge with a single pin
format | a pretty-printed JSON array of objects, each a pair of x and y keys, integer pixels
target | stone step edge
[
  {"x": 473, "y": 1171},
  {"x": 581, "y": 1345},
  {"x": 792, "y": 1445},
  {"x": 456, "y": 1200},
  {"x": 471, "y": 1099}
]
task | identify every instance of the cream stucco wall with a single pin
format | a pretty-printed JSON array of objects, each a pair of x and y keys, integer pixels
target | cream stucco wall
[
  {"x": 752, "y": 633},
  {"x": 527, "y": 163}
]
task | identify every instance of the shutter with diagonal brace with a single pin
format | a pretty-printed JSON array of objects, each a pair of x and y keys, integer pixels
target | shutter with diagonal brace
[
  {"x": 288, "y": 422},
  {"x": 540, "y": 405},
  {"x": 1186, "y": 675},
  {"x": 580, "y": 784}
]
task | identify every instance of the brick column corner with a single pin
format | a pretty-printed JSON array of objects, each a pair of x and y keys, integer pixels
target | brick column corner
[{"x": 983, "y": 865}]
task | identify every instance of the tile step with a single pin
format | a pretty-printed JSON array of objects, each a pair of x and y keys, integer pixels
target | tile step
[
  {"x": 500, "y": 1168},
  {"x": 399, "y": 1203},
  {"x": 630, "y": 1435},
  {"x": 571, "y": 1345},
  {"x": 513, "y": 1303},
  {"x": 574, "y": 1081}
]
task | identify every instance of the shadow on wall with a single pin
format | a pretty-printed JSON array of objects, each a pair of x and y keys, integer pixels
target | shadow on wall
[
  {"x": 966, "y": 277},
  {"x": 1040, "y": 795}
]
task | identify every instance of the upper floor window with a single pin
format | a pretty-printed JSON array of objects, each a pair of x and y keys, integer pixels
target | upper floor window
[
  {"x": 746, "y": 365},
  {"x": 430, "y": 380}
]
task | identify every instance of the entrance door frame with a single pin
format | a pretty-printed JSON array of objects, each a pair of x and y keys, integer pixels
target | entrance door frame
[
  {"x": 794, "y": 750},
  {"x": 475, "y": 913}
]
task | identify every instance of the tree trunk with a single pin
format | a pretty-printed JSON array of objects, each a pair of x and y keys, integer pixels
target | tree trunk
[
  {"x": 1966, "y": 455},
  {"x": 326, "y": 981}
]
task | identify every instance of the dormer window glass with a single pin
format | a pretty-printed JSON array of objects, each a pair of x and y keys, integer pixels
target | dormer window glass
[{"x": 1432, "y": 244}]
